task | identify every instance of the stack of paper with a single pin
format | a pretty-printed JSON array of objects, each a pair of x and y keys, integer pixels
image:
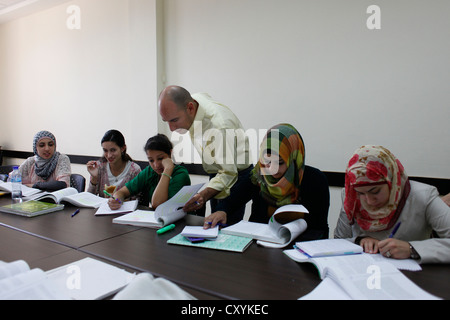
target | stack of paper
[{"x": 200, "y": 232}]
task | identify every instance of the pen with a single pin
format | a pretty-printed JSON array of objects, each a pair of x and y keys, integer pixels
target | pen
[
  {"x": 165, "y": 229},
  {"x": 394, "y": 230},
  {"x": 75, "y": 213},
  {"x": 109, "y": 195}
]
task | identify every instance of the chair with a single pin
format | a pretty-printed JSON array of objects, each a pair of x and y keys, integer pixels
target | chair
[
  {"x": 78, "y": 182},
  {"x": 4, "y": 172},
  {"x": 6, "y": 169}
]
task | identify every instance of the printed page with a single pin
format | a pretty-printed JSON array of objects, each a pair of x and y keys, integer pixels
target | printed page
[
  {"x": 9, "y": 269},
  {"x": 177, "y": 201}
]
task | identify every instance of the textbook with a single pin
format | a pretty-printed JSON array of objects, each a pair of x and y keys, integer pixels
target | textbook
[
  {"x": 71, "y": 195},
  {"x": 200, "y": 232},
  {"x": 19, "y": 282},
  {"x": 285, "y": 225},
  {"x": 165, "y": 214},
  {"x": 328, "y": 247},
  {"x": 31, "y": 208},
  {"x": 26, "y": 191},
  {"x": 359, "y": 277},
  {"x": 224, "y": 242},
  {"x": 140, "y": 218},
  {"x": 86, "y": 279},
  {"x": 97, "y": 279}
]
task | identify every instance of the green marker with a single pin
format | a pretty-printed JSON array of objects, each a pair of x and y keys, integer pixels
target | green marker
[
  {"x": 109, "y": 195},
  {"x": 165, "y": 229}
]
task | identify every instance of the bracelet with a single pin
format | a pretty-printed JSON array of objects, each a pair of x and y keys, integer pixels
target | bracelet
[{"x": 165, "y": 174}]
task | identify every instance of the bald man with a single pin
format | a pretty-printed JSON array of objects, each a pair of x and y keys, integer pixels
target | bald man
[{"x": 217, "y": 135}]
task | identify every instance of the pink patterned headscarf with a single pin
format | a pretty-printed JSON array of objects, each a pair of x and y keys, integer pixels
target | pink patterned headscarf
[{"x": 374, "y": 165}]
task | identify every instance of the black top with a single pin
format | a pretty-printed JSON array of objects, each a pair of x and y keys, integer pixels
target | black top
[{"x": 314, "y": 195}]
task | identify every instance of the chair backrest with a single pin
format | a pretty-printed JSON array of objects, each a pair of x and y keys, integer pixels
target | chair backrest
[
  {"x": 78, "y": 182},
  {"x": 6, "y": 169}
]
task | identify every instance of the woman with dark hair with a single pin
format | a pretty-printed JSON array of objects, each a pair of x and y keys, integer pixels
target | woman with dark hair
[
  {"x": 160, "y": 181},
  {"x": 115, "y": 168}
]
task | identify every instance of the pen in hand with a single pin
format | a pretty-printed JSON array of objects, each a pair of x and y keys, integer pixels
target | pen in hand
[
  {"x": 394, "y": 231},
  {"x": 109, "y": 195}
]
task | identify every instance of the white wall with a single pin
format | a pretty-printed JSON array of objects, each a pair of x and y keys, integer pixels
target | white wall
[
  {"x": 316, "y": 65},
  {"x": 80, "y": 83}
]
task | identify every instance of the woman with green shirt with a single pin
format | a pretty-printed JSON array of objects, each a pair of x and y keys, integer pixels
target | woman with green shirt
[{"x": 160, "y": 181}]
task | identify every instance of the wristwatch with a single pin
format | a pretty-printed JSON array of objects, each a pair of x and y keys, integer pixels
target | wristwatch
[{"x": 413, "y": 253}]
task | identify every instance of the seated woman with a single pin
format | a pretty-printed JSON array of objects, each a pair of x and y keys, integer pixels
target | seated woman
[
  {"x": 48, "y": 169},
  {"x": 279, "y": 178},
  {"x": 378, "y": 195},
  {"x": 114, "y": 169},
  {"x": 160, "y": 181}
]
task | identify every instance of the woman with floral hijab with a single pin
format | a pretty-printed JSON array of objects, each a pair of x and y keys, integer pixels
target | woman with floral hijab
[
  {"x": 385, "y": 212},
  {"x": 48, "y": 169},
  {"x": 280, "y": 178}
]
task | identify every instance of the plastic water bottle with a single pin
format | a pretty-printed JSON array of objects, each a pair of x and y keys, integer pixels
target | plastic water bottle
[{"x": 16, "y": 182}]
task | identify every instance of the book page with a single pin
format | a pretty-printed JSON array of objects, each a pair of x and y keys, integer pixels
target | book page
[
  {"x": 85, "y": 199},
  {"x": 8, "y": 269},
  {"x": 63, "y": 193},
  {"x": 89, "y": 279},
  {"x": 379, "y": 281},
  {"x": 140, "y": 218},
  {"x": 127, "y": 206},
  {"x": 29, "y": 285},
  {"x": 26, "y": 191},
  {"x": 177, "y": 201}
]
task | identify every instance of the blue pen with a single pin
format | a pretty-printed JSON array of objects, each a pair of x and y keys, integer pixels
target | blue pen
[
  {"x": 395, "y": 230},
  {"x": 219, "y": 224},
  {"x": 76, "y": 211}
]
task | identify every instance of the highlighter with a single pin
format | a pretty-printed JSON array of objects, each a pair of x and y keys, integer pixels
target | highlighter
[
  {"x": 165, "y": 229},
  {"x": 109, "y": 195}
]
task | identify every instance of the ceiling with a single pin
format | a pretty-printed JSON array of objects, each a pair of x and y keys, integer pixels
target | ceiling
[
  {"x": 12, "y": 4},
  {"x": 13, "y": 9}
]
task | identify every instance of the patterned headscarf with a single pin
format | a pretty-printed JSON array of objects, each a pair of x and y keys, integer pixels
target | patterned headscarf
[
  {"x": 44, "y": 167},
  {"x": 374, "y": 165},
  {"x": 285, "y": 141}
]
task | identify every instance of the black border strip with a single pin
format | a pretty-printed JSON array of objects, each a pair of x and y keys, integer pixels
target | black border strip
[{"x": 335, "y": 179}]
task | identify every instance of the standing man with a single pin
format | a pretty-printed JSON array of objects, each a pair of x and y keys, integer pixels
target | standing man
[{"x": 217, "y": 135}]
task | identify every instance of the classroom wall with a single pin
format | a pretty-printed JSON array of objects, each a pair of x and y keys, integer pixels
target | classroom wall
[
  {"x": 316, "y": 65},
  {"x": 79, "y": 83}
]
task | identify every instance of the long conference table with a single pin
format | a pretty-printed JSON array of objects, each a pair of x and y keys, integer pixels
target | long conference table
[{"x": 55, "y": 239}]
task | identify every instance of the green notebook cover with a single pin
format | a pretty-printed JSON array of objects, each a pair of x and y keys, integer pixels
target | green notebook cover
[
  {"x": 31, "y": 208},
  {"x": 223, "y": 242}
]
